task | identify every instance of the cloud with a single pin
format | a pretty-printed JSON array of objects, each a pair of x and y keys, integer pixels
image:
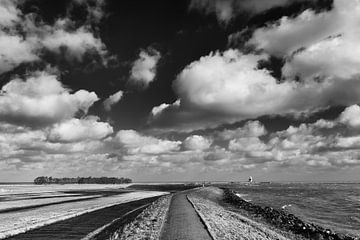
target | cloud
[
  {"x": 14, "y": 50},
  {"x": 247, "y": 144},
  {"x": 158, "y": 110},
  {"x": 113, "y": 99},
  {"x": 73, "y": 44},
  {"x": 250, "y": 129},
  {"x": 228, "y": 87},
  {"x": 136, "y": 143},
  {"x": 351, "y": 116},
  {"x": 25, "y": 38},
  {"x": 41, "y": 99},
  {"x": 9, "y": 14},
  {"x": 291, "y": 34},
  {"x": 196, "y": 142},
  {"x": 95, "y": 9},
  {"x": 75, "y": 130},
  {"x": 143, "y": 71},
  {"x": 348, "y": 142},
  {"x": 230, "y": 83},
  {"x": 309, "y": 39},
  {"x": 226, "y": 10}
]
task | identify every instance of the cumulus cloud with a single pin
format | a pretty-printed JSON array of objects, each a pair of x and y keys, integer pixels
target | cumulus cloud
[
  {"x": 14, "y": 50},
  {"x": 75, "y": 130},
  {"x": 196, "y": 142},
  {"x": 351, "y": 116},
  {"x": 158, "y": 110},
  {"x": 143, "y": 71},
  {"x": 41, "y": 99},
  {"x": 247, "y": 144},
  {"x": 113, "y": 99},
  {"x": 230, "y": 83},
  {"x": 226, "y": 10},
  {"x": 250, "y": 129},
  {"x": 75, "y": 43},
  {"x": 23, "y": 148},
  {"x": 228, "y": 87},
  {"x": 9, "y": 13},
  {"x": 308, "y": 39},
  {"x": 23, "y": 39},
  {"x": 136, "y": 143}
]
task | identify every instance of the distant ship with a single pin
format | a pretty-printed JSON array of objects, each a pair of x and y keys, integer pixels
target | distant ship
[{"x": 250, "y": 179}]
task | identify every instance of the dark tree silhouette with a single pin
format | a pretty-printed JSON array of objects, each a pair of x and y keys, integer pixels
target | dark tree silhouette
[{"x": 81, "y": 180}]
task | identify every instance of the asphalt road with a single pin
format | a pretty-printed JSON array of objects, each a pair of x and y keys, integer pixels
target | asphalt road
[{"x": 182, "y": 222}]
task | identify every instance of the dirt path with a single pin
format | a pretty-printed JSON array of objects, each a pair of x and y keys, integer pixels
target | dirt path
[{"x": 183, "y": 222}]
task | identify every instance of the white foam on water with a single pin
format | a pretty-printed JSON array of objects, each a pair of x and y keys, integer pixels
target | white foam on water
[{"x": 242, "y": 196}]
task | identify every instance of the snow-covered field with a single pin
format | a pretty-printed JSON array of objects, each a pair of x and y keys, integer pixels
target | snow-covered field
[{"x": 15, "y": 222}]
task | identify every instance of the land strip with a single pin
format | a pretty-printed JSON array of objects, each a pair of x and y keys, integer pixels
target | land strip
[{"x": 80, "y": 226}]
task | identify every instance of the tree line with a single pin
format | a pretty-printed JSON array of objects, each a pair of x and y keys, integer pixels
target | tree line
[{"x": 81, "y": 180}]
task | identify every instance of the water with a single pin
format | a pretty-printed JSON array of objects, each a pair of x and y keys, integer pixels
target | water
[{"x": 331, "y": 205}]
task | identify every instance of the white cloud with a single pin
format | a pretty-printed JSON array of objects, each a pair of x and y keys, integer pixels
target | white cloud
[
  {"x": 348, "y": 142},
  {"x": 158, "y": 110},
  {"x": 247, "y": 144},
  {"x": 321, "y": 123},
  {"x": 196, "y": 142},
  {"x": 136, "y": 143},
  {"x": 41, "y": 99},
  {"x": 228, "y": 87},
  {"x": 230, "y": 83},
  {"x": 14, "y": 50},
  {"x": 143, "y": 71},
  {"x": 75, "y": 43},
  {"x": 23, "y": 38},
  {"x": 113, "y": 99},
  {"x": 9, "y": 14},
  {"x": 310, "y": 38},
  {"x": 250, "y": 129},
  {"x": 351, "y": 116},
  {"x": 290, "y": 34},
  {"x": 75, "y": 130}
]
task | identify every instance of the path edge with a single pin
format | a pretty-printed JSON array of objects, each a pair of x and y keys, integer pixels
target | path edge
[{"x": 207, "y": 227}]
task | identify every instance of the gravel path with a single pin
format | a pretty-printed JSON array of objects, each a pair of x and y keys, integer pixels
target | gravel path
[{"x": 183, "y": 222}]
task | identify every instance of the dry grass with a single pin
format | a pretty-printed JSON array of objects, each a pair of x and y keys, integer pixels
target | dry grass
[
  {"x": 148, "y": 224},
  {"x": 224, "y": 224}
]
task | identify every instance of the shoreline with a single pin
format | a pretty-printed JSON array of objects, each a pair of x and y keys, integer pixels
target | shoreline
[{"x": 283, "y": 220}]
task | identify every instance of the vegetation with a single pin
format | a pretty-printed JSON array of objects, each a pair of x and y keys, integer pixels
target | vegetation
[{"x": 81, "y": 180}]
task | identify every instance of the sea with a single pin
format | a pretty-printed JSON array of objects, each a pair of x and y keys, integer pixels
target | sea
[{"x": 331, "y": 205}]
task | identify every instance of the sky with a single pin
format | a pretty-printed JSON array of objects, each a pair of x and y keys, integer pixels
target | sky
[{"x": 186, "y": 90}]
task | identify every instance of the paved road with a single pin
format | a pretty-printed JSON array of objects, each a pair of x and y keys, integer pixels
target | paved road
[{"x": 182, "y": 222}]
